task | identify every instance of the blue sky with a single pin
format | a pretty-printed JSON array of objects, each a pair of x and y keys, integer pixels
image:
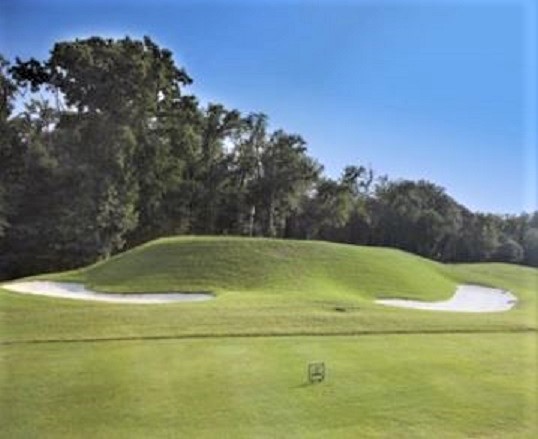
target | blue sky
[{"x": 435, "y": 89}]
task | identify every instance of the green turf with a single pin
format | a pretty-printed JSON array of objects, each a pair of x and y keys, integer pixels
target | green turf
[
  {"x": 267, "y": 267},
  {"x": 266, "y": 287},
  {"x": 405, "y": 386},
  {"x": 405, "y": 373}
]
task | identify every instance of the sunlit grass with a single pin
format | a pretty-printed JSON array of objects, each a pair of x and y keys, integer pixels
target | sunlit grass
[
  {"x": 266, "y": 287},
  {"x": 404, "y": 373},
  {"x": 379, "y": 386}
]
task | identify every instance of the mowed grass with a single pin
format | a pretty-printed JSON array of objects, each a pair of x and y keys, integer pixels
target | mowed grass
[
  {"x": 405, "y": 386},
  {"x": 267, "y": 268},
  {"x": 265, "y": 287},
  {"x": 222, "y": 368}
]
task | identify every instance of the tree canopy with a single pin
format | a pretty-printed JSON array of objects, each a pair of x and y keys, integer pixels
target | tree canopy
[{"x": 120, "y": 154}]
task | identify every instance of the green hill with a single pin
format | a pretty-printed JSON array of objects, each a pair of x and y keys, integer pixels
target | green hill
[
  {"x": 304, "y": 269},
  {"x": 264, "y": 287},
  {"x": 236, "y": 366}
]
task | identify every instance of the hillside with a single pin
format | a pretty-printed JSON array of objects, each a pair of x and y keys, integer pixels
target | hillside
[
  {"x": 263, "y": 287},
  {"x": 268, "y": 267}
]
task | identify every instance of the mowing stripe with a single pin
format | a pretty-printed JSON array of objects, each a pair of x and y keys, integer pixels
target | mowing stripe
[{"x": 270, "y": 335}]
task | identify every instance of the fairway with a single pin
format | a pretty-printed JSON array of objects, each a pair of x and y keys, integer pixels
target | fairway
[
  {"x": 236, "y": 366},
  {"x": 377, "y": 386}
]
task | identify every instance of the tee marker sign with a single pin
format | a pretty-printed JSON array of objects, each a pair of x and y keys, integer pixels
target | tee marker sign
[{"x": 316, "y": 372}]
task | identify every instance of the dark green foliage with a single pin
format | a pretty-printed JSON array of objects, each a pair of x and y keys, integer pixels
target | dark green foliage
[
  {"x": 508, "y": 251},
  {"x": 530, "y": 245},
  {"x": 124, "y": 156},
  {"x": 286, "y": 173},
  {"x": 7, "y": 139},
  {"x": 416, "y": 216}
]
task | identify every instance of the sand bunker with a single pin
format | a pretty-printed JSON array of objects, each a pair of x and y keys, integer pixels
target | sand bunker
[
  {"x": 467, "y": 298},
  {"x": 67, "y": 290}
]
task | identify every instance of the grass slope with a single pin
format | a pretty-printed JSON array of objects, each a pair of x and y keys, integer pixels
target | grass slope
[
  {"x": 426, "y": 379},
  {"x": 267, "y": 266},
  {"x": 266, "y": 287}
]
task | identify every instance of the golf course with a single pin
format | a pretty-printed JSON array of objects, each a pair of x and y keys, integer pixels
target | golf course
[
  {"x": 268, "y": 220},
  {"x": 236, "y": 365}
]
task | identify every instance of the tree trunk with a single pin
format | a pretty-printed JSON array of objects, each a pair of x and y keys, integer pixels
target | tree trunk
[{"x": 251, "y": 220}]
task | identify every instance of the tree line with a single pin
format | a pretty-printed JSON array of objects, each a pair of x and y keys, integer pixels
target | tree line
[{"x": 117, "y": 154}]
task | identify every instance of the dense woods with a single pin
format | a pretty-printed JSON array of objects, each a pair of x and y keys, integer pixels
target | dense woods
[{"x": 118, "y": 154}]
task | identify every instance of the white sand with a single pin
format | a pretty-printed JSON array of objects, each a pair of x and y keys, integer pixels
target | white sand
[
  {"x": 467, "y": 298},
  {"x": 76, "y": 291}
]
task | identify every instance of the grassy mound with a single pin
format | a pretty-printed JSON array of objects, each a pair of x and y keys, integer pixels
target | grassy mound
[
  {"x": 266, "y": 287},
  {"x": 266, "y": 266}
]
